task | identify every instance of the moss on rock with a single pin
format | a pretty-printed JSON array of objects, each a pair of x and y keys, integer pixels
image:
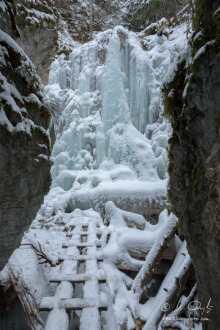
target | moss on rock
[{"x": 172, "y": 92}]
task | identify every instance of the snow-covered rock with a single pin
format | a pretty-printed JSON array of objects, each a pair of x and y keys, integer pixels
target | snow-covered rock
[{"x": 24, "y": 145}]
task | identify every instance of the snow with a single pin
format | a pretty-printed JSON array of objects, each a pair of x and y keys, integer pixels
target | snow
[
  {"x": 113, "y": 214},
  {"x": 165, "y": 227},
  {"x": 108, "y": 121},
  {"x": 64, "y": 290},
  {"x": 57, "y": 319},
  {"x": 182, "y": 261},
  {"x": 217, "y": 11},
  {"x": 137, "y": 4},
  {"x": 9, "y": 93},
  {"x": 26, "y": 68},
  {"x": 124, "y": 239},
  {"x": 202, "y": 50},
  {"x": 3, "y": 6},
  {"x": 51, "y": 234},
  {"x": 109, "y": 174}
]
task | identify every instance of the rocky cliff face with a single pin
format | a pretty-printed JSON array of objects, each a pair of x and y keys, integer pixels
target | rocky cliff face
[
  {"x": 193, "y": 107},
  {"x": 37, "y": 22},
  {"x": 105, "y": 14},
  {"x": 33, "y": 24},
  {"x": 24, "y": 145},
  {"x": 45, "y": 28}
]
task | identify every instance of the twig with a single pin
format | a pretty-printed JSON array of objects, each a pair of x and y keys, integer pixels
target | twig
[{"x": 41, "y": 255}]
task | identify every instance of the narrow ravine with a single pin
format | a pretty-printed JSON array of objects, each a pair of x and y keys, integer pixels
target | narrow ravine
[
  {"x": 109, "y": 164},
  {"x": 109, "y": 177}
]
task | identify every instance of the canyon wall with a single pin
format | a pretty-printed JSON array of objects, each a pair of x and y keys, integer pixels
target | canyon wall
[
  {"x": 192, "y": 102},
  {"x": 24, "y": 145}
]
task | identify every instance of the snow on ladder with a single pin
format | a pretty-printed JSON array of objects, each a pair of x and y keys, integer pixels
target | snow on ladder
[{"x": 81, "y": 248}]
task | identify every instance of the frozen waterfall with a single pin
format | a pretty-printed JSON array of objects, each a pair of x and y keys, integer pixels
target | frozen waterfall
[
  {"x": 109, "y": 173},
  {"x": 111, "y": 138}
]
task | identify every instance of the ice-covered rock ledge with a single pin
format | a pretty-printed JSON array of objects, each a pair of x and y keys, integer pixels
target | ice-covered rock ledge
[{"x": 148, "y": 198}]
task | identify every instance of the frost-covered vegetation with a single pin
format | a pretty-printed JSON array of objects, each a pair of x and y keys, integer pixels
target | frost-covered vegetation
[{"x": 139, "y": 14}]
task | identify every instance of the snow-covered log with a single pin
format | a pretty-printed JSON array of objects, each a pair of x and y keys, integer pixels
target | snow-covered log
[
  {"x": 127, "y": 246},
  {"x": 184, "y": 301},
  {"x": 171, "y": 288},
  {"x": 164, "y": 235},
  {"x": 112, "y": 213}
]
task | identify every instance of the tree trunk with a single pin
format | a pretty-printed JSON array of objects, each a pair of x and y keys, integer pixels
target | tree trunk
[{"x": 91, "y": 18}]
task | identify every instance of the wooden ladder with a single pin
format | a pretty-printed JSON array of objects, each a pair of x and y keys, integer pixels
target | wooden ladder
[{"x": 81, "y": 246}]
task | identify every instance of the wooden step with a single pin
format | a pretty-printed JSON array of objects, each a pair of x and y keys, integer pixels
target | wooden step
[
  {"x": 79, "y": 233},
  {"x": 80, "y": 258},
  {"x": 75, "y": 278},
  {"x": 80, "y": 245},
  {"x": 79, "y": 224},
  {"x": 73, "y": 304}
]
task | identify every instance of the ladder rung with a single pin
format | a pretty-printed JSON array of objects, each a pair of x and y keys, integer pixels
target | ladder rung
[
  {"x": 69, "y": 304},
  {"x": 80, "y": 258},
  {"x": 80, "y": 233},
  {"x": 80, "y": 245},
  {"x": 75, "y": 278}
]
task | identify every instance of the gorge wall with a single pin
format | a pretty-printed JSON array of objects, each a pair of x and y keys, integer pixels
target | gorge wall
[
  {"x": 24, "y": 145},
  {"x": 46, "y": 28},
  {"x": 193, "y": 107},
  {"x": 33, "y": 25}
]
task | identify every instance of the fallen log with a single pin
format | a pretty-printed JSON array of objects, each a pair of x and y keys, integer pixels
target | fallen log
[
  {"x": 27, "y": 300},
  {"x": 171, "y": 288},
  {"x": 153, "y": 257}
]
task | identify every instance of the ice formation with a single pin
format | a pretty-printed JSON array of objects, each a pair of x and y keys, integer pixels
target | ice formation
[
  {"x": 109, "y": 153},
  {"x": 110, "y": 136}
]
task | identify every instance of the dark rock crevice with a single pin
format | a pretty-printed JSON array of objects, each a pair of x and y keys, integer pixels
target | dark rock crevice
[
  {"x": 195, "y": 159},
  {"x": 11, "y": 312}
]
